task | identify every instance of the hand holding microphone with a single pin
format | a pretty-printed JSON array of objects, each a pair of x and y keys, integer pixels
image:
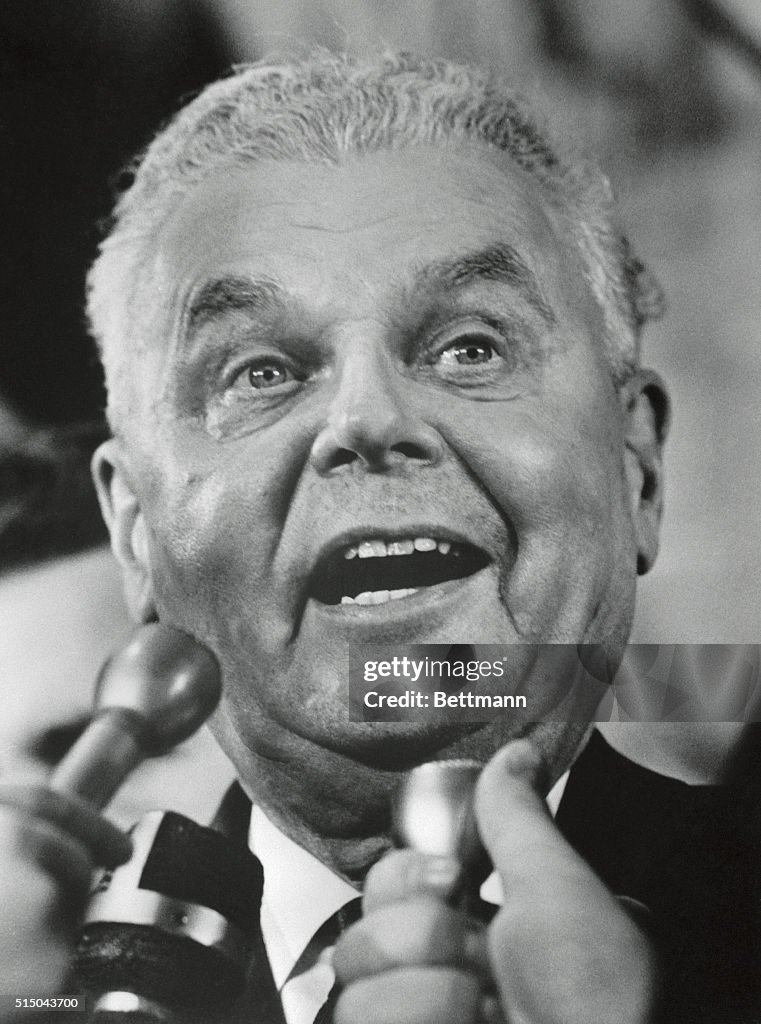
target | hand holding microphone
[
  {"x": 149, "y": 697},
  {"x": 560, "y": 950},
  {"x": 419, "y": 952}
]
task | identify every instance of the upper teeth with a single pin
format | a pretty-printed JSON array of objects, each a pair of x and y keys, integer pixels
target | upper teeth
[{"x": 382, "y": 548}]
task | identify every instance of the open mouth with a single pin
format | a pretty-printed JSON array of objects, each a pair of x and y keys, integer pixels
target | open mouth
[{"x": 375, "y": 571}]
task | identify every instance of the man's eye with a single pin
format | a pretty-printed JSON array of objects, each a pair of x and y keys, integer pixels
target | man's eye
[
  {"x": 269, "y": 374},
  {"x": 471, "y": 352},
  {"x": 473, "y": 355}
]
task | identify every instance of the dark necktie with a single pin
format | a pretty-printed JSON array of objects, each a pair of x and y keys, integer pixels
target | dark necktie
[
  {"x": 263, "y": 1003},
  {"x": 325, "y": 936}
]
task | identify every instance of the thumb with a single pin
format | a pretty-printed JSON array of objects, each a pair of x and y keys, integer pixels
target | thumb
[
  {"x": 516, "y": 827},
  {"x": 561, "y": 948}
]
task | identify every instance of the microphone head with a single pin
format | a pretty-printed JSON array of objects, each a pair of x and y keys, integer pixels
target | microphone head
[
  {"x": 166, "y": 678},
  {"x": 432, "y": 812},
  {"x": 175, "y": 926}
]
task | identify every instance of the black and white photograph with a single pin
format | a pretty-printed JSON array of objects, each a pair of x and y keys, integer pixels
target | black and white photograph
[{"x": 380, "y": 545}]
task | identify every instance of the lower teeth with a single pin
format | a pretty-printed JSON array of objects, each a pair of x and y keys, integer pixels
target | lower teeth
[{"x": 378, "y": 596}]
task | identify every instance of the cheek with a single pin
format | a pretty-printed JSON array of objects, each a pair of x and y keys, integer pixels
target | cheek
[
  {"x": 557, "y": 477},
  {"x": 212, "y": 534},
  {"x": 550, "y": 469}
]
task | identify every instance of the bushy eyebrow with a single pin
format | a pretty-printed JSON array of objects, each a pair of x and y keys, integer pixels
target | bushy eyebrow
[
  {"x": 261, "y": 296},
  {"x": 229, "y": 293},
  {"x": 500, "y": 262}
]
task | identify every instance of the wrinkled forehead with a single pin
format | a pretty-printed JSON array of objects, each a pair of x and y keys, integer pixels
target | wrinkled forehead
[{"x": 359, "y": 239}]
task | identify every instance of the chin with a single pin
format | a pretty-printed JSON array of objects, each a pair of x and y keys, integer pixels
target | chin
[
  {"x": 558, "y": 743},
  {"x": 399, "y": 747}
]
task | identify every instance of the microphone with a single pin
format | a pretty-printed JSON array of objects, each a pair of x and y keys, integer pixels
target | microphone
[
  {"x": 432, "y": 812},
  {"x": 170, "y": 935},
  {"x": 150, "y": 696}
]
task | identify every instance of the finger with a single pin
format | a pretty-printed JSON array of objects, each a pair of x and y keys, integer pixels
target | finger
[
  {"x": 523, "y": 842},
  {"x": 403, "y": 874},
  {"x": 433, "y": 995},
  {"x": 561, "y": 948},
  {"x": 106, "y": 844},
  {"x": 53, "y": 851},
  {"x": 421, "y": 931}
]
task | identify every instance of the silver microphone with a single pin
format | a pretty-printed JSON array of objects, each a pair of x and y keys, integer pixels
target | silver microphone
[{"x": 432, "y": 812}]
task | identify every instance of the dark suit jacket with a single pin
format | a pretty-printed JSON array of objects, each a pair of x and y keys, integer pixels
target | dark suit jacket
[{"x": 692, "y": 854}]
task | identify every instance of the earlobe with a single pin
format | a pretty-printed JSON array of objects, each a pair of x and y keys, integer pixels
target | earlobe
[
  {"x": 126, "y": 525},
  {"x": 647, "y": 418}
]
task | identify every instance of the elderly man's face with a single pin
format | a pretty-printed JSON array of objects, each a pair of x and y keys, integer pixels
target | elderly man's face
[{"x": 376, "y": 406}]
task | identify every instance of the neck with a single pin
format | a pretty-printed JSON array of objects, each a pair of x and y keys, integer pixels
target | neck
[
  {"x": 341, "y": 817},
  {"x": 338, "y": 807},
  {"x": 348, "y": 857}
]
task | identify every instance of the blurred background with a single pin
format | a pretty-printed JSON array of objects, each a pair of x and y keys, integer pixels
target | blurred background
[{"x": 667, "y": 93}]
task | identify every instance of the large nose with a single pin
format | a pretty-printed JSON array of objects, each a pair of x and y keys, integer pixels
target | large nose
[{"x": 370, "y": 422}]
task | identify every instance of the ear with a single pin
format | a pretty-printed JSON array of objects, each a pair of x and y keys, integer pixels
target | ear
[
  {"x": 647, "y": 412},
  {"x": 129, "y": 536}
]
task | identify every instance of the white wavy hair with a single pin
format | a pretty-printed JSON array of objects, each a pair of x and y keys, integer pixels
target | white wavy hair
[{"x": 322, "y": 108}]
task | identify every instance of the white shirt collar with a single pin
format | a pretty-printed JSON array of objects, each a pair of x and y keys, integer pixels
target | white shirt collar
[
  {"x": 300, "y": 894},
  {"x": 555, "y": 795}
]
